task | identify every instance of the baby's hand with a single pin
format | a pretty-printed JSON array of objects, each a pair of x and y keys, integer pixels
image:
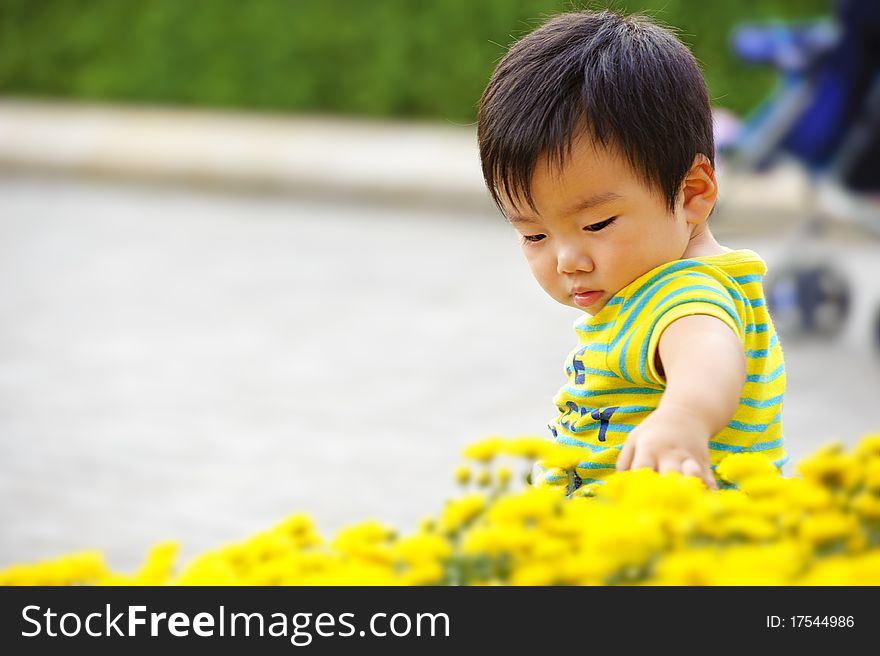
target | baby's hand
[{"x": 669, "y": 441}]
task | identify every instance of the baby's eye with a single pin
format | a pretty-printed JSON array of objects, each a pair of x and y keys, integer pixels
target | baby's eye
[
  {"x": 533, "y": 239},
  {"x": 596, "y": 227}
]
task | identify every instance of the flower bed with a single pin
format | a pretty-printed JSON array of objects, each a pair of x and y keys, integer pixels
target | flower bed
[{"x": 820, "y": 527}]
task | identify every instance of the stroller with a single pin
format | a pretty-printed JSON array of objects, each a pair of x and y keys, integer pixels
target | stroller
[{"x": 826, "y": 116}]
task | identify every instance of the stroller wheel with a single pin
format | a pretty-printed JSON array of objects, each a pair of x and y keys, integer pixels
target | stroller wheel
[
  {"x": 813, "y": 300},
  {"x": 877, "y": 331}
]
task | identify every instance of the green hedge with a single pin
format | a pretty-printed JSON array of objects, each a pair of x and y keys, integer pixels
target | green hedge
[{"x": 369, "y": 57}]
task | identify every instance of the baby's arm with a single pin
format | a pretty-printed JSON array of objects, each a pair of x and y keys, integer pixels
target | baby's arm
[{"x": 705, "y": 368}]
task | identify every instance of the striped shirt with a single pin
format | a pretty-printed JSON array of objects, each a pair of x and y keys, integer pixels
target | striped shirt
[{"x": 613, "y": 383}]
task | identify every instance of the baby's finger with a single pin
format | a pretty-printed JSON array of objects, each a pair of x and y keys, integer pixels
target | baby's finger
[
  {"x": 642, "y": 459},
  {"x": 709, "y": 479},
  {"x": 691, "y": 467},
  {"x": 670, "y": 464},
  {"x": 624, "y": 460}
]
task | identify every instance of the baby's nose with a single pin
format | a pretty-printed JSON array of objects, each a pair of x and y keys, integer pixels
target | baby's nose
[{"x": 571, "y": 259}]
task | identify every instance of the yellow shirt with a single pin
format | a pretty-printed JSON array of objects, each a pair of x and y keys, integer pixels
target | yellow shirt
[{"x": 613, "y": 384}]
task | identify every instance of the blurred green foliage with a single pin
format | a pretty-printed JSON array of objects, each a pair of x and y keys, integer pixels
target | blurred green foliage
[{"x": 378, "y": 57}]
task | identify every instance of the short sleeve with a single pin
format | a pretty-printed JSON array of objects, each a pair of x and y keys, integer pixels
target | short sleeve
[{"x": 701, "y": 290}]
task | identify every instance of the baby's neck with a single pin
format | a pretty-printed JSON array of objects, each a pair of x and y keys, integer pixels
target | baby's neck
[{"x": 703, "y": 243}]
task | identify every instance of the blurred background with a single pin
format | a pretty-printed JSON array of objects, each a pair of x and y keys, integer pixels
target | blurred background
[{"x": 249, "y": 267}]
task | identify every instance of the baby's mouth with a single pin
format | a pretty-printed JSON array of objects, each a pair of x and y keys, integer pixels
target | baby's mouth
[{"x": 586, "y": 298}]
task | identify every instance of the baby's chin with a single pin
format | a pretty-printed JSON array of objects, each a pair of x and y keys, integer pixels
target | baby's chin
[{"x": 591, "y": 311}]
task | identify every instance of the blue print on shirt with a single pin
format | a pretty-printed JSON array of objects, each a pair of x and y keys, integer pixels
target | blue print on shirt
[
  {"x": 604, "y": 418},
  {"x": 578, "y": 367}
]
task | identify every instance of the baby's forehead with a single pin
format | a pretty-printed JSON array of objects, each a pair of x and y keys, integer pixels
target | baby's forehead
[{"x": 586, "y": 175}]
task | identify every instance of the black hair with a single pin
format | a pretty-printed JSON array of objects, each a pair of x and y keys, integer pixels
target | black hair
[{"x": 631, "y": 84}]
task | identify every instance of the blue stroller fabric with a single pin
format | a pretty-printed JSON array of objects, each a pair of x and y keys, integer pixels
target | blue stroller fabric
[{"x": 839, "y": 78}]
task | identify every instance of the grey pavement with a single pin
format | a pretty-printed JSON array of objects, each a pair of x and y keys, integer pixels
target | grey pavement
[{"x": 195, "y": 362}]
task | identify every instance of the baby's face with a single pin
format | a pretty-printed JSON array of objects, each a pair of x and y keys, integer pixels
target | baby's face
[{"x": 598, "y": 227}]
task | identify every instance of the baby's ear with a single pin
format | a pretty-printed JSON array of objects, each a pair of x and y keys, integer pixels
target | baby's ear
[{"x": 700, "y": 190}]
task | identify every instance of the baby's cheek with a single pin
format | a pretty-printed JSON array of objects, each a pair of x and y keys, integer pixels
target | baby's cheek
[{"x": 551, "y": 284}]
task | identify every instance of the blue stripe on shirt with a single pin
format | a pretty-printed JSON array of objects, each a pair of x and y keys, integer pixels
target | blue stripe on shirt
[
  {"x": 761, "y": 403},
  {"x": 571, "y": 441},
  {"x": 599, "y": 372},
  {"x": 591, "y": 328},
  {"x": 637, "y": 310},
  {"x": 754, "y": 428},
  {"x": 768, "y": 378},
  {"x": 752, "y": 277},
  {"x": 595, "y": 465},
  {"x": 676, "y": 266},
  {"x": 593, "y": 425},
  {"x": 623, "y": 409},
  {"x": 763, "y": 353},
  {"x": 733, "y": 448},
  {"x": 573, "y": 391},
  {"x": 622, "y": 361}
]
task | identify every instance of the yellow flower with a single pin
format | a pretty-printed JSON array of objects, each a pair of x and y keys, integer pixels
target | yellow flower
[
  {"x": 871, "y": 471},
  {"x": 771, "y": 564},
  {"x": 762, "y": 486},
  {"x": 627, "y": 536},
  {"x": 426, "y": 573},
  {"x": 355, "y": 573},
  {"x": 484, "y": 478},
  {"x": 739, "y": 467},
  {"x": 867, "y": 504},
  {"x": 550, "y": 548},
  {"x": 638, "y": 527},
  {"x": 829, "y": 466},
  {"x": 495, "y": 540},
  {"x": 585, "y": 568},
  {"x": 754, "y": 528},
  {"x": 209, "y": 569},
  {"x": 462, "y": 475},
  {"x": 535, "y": 573},
  {"x": 299, "y": 528},
  {"x": 369, "y": 540},
  {"x": 828, "y": 526},
  {"x": 368, "y": 532},
  {"x": 868, "y": 446},
  {"x": 485, "y": 450},
  {"x": 671, "y": 495},
  {"x": 710, "y": 516},
  {"x": 158, "y": 565},
  {"x": 807, "y": 496},
  {"x": 687, "y": 567},
  {"x": 867, "y": 568},
  {"x": 459, "y": 512},
  {"x": 527, "y": 446},
  {"x": 563, "y": 456},
  {"x": 587, "y": 490},
  {"x": 530, "y": 505},
  {"x": 833, "y": 570},
  {"x": 421, "y": 548},
  {"x": 78, "y": 568}
]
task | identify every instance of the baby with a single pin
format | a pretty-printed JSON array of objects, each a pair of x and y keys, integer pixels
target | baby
[{"x": 595, "y": 136}]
